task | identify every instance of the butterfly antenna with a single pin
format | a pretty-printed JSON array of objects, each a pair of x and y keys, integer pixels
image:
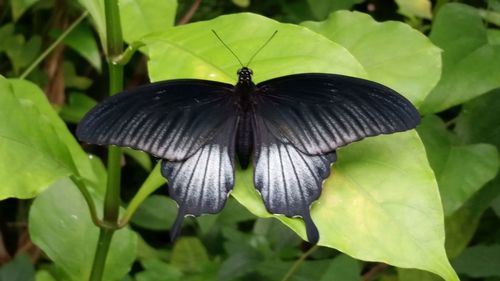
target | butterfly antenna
[
  {"x": 227, "y": 47},
  {"x": 262, "y": 47}
]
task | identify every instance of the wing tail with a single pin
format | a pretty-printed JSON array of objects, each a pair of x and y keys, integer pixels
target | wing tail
[
  {"x": 311, "y": 229},
  {"x": 176, "y": 227}
]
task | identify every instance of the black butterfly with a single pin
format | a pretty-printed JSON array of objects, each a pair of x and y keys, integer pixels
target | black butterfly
[{"x": 292, "y": 125}]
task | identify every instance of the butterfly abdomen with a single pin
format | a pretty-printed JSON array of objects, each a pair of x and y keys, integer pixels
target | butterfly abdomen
[{"x": 244, "y": 139}]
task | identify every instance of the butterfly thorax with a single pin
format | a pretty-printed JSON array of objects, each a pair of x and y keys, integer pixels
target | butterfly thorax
[
  {"x": 244, "y": 137},
  {"x": 244, "y": 88}
]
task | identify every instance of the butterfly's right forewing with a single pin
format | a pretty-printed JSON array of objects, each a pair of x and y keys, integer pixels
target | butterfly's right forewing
[
  {"x": 319, "y": 113},
  {"x": 170, "y": 119}
]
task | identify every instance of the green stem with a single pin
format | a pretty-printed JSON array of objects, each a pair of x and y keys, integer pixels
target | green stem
[
  {"x": 53, "y": 46},
  {"x": 88, "y": 199},
  {"x": 298, "y": 263},
  {"x": 152, "y": 183},
  {"x": 111, "y": 210},
  {"x": 112, "y": 197},
  {"x": 101, "y": 253},
  {"x": 125, "y": 57}
]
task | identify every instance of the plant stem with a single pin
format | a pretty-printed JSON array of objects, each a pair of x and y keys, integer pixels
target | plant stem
[
  {"x": 111, "y": 209},
  {"x": 152, "y": 183},
  {"x": 299, "y": 262},
  {"x": 374, "y": 272},
  {"x": 101, "y": 253},
  {"x": 190, "y": 13},
  {"x": 125, "y": 57},
  {"x": 88, "y": 199},
  {"x": 52, "y": 46}
]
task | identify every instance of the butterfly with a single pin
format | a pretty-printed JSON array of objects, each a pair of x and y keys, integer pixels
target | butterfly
[{"x": 288, "y": 127}]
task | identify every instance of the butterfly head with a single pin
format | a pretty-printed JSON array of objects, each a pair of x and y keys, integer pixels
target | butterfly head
[{"x": 245, "y": 75}]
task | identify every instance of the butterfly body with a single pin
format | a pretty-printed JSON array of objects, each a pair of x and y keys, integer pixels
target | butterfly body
[
  {"x": 289, "y": 128},
  {"x": 244, "y": 137}
]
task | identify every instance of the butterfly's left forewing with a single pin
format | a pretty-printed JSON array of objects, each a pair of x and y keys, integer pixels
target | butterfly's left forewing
[
  {"x": 189, "y": 123},
  {"x": 169, "y": 119}
]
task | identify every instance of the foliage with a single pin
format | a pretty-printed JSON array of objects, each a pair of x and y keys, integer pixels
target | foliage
[{"x": 393, "y": 200}]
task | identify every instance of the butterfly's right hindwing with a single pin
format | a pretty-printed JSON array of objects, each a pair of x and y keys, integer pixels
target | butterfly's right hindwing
[
  {"x": 170, "y": 120},
  {"x": 299, "y": 122},
  {"x": 288, "y": 179}
]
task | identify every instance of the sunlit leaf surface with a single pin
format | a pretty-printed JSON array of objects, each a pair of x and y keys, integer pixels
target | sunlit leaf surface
[
  {"x": 382, "y": 202},
  {"x": 392, "y": 53}
]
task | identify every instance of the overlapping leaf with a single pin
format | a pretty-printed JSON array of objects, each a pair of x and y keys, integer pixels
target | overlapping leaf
[
  {"x": 392, "y": 53},
  {"x": 193, "y": 51},
  {"x": 35, "y": 142},
  {"x": 381, "y": 188},
  {"x": 460, "y": 169},
  {"x": 468, "y": 56},
  {"x": 415, "y": 8}
]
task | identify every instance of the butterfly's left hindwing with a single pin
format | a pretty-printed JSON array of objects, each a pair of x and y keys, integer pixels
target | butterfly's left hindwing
[{"x": 200, "y": 184}]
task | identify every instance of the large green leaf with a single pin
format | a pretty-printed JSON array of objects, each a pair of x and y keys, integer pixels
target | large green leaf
[
  {"x": 60, "y": 224},
  {"x": 36, "y": 147},
  {"x": 460, "y": 228},
  {"x": 468, "y": 70},
  {"x": 32, "y": 156},
  {"x": 381, "y": 204},
  {"x": 392, "y": 53},
  {"x": 192, "y": 50},
  {"x": 381, "y": 188},
  {"x": 460, "y": 169}
]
